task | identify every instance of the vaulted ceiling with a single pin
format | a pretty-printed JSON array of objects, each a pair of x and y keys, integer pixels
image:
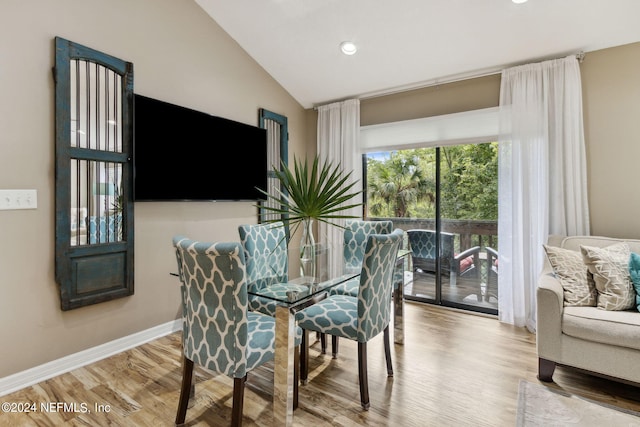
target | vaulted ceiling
[{"x": 404, "y": 44}]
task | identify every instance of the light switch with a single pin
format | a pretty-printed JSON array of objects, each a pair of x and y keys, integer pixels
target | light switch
[{"x": 18, "y": 199}]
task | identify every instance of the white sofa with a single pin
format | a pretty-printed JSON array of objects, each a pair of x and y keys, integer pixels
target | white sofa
[{"x": 602, "y": 342}]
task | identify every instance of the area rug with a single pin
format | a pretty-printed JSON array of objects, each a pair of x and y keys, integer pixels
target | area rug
[{"x": 541, "y": 406}]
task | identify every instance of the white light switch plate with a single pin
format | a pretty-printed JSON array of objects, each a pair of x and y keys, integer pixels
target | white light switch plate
[{"x": 18, "y": 199}]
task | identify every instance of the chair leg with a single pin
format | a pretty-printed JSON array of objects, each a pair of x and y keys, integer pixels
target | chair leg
[
  {"x": 304, "y": 357},
  {"x": 296, "y": 375},
  {"x": 323, "y": 342},
  {"x": 185, "y": 391},
  {"x": 362, "y": 373},
  {"x": 387, "y": 352},
  {"x": 334, "y": 346},
  {"x": 238, "y": 401}
]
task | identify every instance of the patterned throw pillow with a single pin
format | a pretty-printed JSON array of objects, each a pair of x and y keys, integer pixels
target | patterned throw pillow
[
  {"x": 634, "y": 272},
  {"x": 610, "y": 269},
  {"x": 577, "y": 282}
]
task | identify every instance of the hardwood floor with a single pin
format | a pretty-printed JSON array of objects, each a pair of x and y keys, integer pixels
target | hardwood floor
[{"x": 455, "y": 369}]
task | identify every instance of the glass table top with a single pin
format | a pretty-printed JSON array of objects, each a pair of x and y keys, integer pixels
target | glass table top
[{"x": 301, "y": 289}]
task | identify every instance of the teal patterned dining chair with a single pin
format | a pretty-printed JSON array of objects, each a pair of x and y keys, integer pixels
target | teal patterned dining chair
[
  {"x": 265, "y": 251},
  {"x": 219, "y": 332},
  {"x": 358, "y": 318},
  {"x": 356, "y": 233}
]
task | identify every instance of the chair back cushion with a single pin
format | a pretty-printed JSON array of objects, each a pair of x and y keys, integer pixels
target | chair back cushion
[
  {"x": 376, "y": 284},
  {"x": 355, "y": 239},
  {"x": 265, "y": 252},
  {"x": 423, "y": 246},
  {"x": 214, "y": 301},
  {"x": 423, "y": 243}
]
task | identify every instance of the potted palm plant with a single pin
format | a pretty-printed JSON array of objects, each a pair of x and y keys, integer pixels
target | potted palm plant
[{"x": 320, "y": 193}]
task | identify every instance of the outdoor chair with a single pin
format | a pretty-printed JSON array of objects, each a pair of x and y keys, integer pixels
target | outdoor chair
[
  {"x": 466, "y": 273},
  {"x": 423, "y": 250},
  {"x": 492, "y": 274},
  {"x": 464, "y": 269}
]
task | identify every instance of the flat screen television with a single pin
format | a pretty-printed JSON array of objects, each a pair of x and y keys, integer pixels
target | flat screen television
[{"x": 183, "y": 154}]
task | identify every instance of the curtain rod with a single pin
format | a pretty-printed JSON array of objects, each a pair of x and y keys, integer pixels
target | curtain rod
[{"x": 446, "y": 80}]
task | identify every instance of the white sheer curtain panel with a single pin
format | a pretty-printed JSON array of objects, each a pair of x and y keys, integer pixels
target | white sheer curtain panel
[
  {"x": 338, "y": 130},
  {"x": 542, "y": 185}
]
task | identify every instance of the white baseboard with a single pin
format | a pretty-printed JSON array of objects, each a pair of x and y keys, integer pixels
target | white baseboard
[{"x": 68, "y": 363}]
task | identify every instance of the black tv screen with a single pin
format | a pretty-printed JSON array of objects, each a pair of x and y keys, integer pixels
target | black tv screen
[{"x": 184, "y": 154}]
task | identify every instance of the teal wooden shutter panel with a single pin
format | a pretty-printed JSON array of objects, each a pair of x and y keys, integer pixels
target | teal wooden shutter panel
[{"x": 93, "y": 196}]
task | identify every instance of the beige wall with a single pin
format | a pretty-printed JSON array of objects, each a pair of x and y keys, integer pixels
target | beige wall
[
  {"x": 180, "y": 55},
  {"x": 466, "y": 95},
  {"x": 611, "y": 99}
]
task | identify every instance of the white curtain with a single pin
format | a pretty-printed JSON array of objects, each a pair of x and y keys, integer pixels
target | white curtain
[
  {"x": 542, "y": 176},
  {"x": 338, "y": 130}
]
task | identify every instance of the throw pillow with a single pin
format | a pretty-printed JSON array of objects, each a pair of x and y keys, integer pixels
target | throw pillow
[
  {"x": 610, "y": 269},
  {"x": 577, "y": 283},
  {"x": 634, "y": 272}
]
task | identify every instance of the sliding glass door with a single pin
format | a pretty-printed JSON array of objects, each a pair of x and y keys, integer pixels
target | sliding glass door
[{"x": 445, "y": 198}]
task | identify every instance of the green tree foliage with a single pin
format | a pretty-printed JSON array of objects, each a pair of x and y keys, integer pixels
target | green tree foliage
[
  {"x": 469, "y": 181},
  {"x": 397, "y": 184},
  {"x": 403, "y": 185}
]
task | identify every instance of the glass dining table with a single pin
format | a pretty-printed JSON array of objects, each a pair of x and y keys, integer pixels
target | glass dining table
[{"x": 310, "y": 290}]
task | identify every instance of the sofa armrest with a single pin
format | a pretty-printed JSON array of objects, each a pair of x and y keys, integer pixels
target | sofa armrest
[
  {"x": 547, "y": 282},
  {"x": 550, "y": 305}
]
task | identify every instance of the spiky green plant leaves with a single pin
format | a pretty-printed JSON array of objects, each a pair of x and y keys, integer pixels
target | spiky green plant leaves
[{"x": 320, "y": 192}]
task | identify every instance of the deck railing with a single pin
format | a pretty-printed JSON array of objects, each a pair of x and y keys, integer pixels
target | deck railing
[{"x": 469, "y": 233}]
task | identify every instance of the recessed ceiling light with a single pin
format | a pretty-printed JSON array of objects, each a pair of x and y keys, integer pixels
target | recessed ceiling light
[
  {"x": 348, "y": 48},
  {"x": 519, "y": 1}
]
